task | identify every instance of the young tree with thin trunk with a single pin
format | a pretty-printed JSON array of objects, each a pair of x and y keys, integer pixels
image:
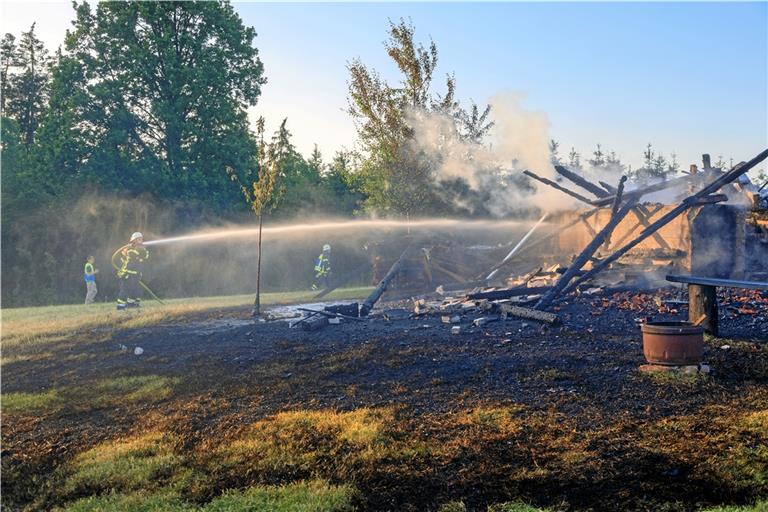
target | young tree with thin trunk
[{"x": 261, "y": 194}]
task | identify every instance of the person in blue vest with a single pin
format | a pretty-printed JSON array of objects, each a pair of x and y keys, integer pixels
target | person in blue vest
[
  {"x": 133, "y": 256},
  {"x": 323, "y": 269},
  {"x": 90, "y": 280}
]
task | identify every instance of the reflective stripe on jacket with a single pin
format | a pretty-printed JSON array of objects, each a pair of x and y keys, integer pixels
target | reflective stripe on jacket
[{"x": 322, "y": 266}]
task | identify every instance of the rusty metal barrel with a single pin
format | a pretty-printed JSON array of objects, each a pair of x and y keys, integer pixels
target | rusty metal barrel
[{"x": 673, "y": 343}]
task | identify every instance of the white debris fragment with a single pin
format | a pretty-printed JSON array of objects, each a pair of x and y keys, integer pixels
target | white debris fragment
[
  {"x": 456, "y": 329},
  {"x": 138, "y": 351}
]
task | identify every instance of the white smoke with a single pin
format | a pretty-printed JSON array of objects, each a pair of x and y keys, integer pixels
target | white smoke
[{"x": 519, "y": 140}]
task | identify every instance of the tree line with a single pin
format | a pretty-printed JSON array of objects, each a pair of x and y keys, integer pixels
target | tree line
[{"x": 149, "y": 100}]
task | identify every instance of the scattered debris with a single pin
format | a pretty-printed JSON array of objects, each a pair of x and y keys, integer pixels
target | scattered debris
[{"x": 138, "y": 351}]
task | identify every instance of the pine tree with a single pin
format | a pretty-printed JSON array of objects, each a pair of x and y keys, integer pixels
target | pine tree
[{"x": 26, "y": 95}]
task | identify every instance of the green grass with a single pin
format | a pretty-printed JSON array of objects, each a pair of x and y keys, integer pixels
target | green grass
[
  {"x": 25, "y": 402},
  {"x": 40, "y": 324},
  {"x": 123, "y": 465},
  {"x": 91, "y": 395},
  {"x": 313, "y": 496}
]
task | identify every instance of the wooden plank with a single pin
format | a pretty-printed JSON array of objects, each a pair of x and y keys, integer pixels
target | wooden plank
[
  {"x": 702, "y": 302},
  {"x": 715, "y": 281}
]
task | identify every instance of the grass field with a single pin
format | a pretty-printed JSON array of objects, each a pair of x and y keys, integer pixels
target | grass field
[
  {"x": 266, "y": 418},
  {"x": 40, "y": 324}
]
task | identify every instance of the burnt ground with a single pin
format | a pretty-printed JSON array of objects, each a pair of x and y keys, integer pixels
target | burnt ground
[{"x": 592, "y": 433}]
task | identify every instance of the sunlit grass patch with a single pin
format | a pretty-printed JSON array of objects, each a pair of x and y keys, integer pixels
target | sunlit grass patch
[
  {"x": 503, "y": 420},
  {"x": 137, "y": 388},
  {"x": 90, "y": 394},
  {"x": 131, "y": 502},
  {"x": 314, "y": 496},
  {"x": 28, "y": 402},
  {"x": 142, "y": 462},
  {"x": 299, "y": 442}
]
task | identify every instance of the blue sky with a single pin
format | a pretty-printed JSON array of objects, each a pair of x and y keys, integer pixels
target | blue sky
[{"x": 688, "y": 77}]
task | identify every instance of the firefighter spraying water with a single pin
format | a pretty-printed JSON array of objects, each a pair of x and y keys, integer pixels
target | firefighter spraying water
[{"x": 133, "y": 256}]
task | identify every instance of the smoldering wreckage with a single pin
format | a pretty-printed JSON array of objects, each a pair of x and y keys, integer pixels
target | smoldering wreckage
[{"x": 680, "y": 242}]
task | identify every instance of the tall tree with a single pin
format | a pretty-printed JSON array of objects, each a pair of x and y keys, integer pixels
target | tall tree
[
  {"x": 170, "y": 82},
  {"x": 398, "y": 177}
]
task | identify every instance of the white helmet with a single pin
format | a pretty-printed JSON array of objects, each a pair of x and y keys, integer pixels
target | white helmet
[
  {"x": 326, "y": 247},
  {"x": 136, "y": 235}
]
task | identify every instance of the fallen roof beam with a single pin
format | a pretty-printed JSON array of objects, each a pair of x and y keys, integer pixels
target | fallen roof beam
[
  {"x": 558, "y": 187},
  {"x": 581, "y": 181}
]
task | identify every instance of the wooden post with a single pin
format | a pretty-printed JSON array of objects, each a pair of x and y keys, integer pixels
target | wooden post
[
  {"x": 702, "y": 300},
  {"x": 366, "y": 307}
]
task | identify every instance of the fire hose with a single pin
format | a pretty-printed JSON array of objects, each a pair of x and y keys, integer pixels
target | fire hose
[{"x": 142, "y": 283}]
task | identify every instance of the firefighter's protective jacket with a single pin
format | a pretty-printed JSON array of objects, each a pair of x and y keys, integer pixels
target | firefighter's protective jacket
[
  {"x": 322, "y": 266},
  {"x": 132, "y": 260}
]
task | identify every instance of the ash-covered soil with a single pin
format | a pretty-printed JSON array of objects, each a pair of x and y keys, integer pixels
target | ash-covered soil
[{"x": 580, "y": 382}]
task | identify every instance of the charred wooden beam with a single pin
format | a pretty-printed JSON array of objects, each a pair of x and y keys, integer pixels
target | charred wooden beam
[
  {"x": 581, "y": 181},
  {"x": 585, "y": 255},
  {"x": 610, "y": 188},
  {"x": 314, "y": 323},
  {"x": 528, "y": 313},
  {"x": 704, "y": 196},
  {"x": 615, "y": 208},
  {"x": 376, "y": 294},
  {"x": 508, "y": 293},
  {"x": 558, "y": 187}
]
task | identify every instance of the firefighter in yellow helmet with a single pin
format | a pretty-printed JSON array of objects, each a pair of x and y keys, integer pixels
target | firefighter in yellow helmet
[{"x": 131, "y": 262}]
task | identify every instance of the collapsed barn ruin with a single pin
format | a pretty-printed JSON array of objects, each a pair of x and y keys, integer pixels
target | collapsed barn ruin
[{"x": 710, "y": 222}]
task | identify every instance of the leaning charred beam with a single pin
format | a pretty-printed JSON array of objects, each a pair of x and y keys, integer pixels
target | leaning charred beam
[
  {"x": 558, "y": 187},
  {"x": 704, "y": 196},
  {"x": 376, "y": 294},
  {"x": 585, "y": 255},
  {"x": 581, "y": 181}
]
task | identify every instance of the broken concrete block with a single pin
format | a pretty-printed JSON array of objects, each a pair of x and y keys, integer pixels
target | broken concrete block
[{"x": 456, "y": 329}]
